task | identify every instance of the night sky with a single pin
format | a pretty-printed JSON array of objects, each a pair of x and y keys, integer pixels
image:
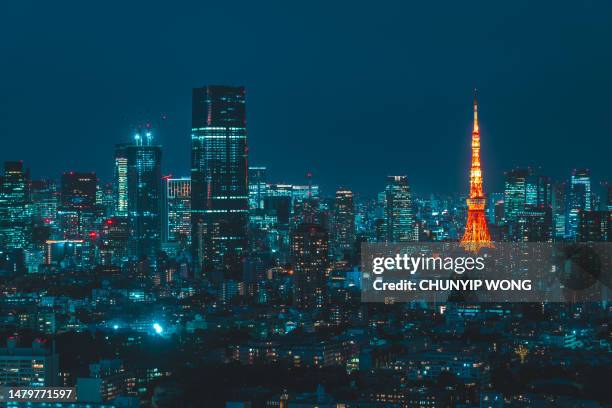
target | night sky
[{"x": 347, "y": 90}]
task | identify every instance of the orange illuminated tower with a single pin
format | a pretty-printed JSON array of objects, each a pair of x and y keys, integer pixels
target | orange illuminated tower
[{"x": 476, "y": 235}]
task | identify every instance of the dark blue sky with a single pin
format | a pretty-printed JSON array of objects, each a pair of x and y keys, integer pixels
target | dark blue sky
[{"x": 348, "y": 90}]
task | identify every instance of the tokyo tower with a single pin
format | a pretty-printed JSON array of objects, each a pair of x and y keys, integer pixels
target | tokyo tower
[{"x": 476, "y": 235}]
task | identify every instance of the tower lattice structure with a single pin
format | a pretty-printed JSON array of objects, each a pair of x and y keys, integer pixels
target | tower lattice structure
[{"x": 476, "y": 235}]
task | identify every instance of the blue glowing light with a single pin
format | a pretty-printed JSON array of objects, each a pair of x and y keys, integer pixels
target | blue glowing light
[{"x": 158, "y": 329}]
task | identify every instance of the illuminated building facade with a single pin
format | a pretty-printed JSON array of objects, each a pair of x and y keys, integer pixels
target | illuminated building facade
[
  {"x": 476, "y": 233},
  {"x": 45, "y": 200},
  {"x": 257, "y": 187},
  {"x": 114, "y": 240},
  {"x": 515, "y": 195},
  {"x": 558, "y": 210},
  {"x": 176, "y": 225},
  {"x": 14, "y": 206},
  {"x": 144, "y": 196},
  {"x": 309, "y": 255},
  {"x": 120, "y": 182},
  {"x": 595, "y": 226},
  {"x": 579, "y": 199},
  {"x": 77, "y": 212},
  {"x": 220, "y": 195},
  {"x": 78, "y": 190},
  {"x": 36, "y": 366},
  {"x": 343, "y": 231},
  {"x": 399, "y": 215}
]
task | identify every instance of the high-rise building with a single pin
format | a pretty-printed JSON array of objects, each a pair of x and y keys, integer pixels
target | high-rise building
[
  {"x": 559, "y": 210},
  {"x": 176, "y": 222},
  {"x": 579, "y": 199},
  {"x": 78, "y": 190},
  {"x": 533, "y": 224},
  {"x": 595, "y": 226},
  {"x": 343, "y": 230},
  {"x": 144, "y": 196},
  {"x": 399, "y": 217},
  {"x": 219, "y": 171},
  {"x": 45, "y": 200},
  {"x": 121, "y": 182},
  {"x": 309, "y": 254},
  {"x": 114, "y": 240},
  {"x": 257, "y": 187},
  {"x": 14, "y": 206},
  {"x": 515, "y": 193}
]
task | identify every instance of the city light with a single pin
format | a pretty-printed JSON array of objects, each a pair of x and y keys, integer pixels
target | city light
[{"x": 158, "y": 329}]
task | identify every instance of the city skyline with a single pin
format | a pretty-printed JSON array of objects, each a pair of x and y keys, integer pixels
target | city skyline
[
  {"x": 316, "y": 205},
  {"x": 543, "y": 99},
  {"x": 329, "y": 190}
]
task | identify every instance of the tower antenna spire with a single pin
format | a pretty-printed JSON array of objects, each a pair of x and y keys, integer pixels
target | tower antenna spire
[{"x": 476, "y": 129}]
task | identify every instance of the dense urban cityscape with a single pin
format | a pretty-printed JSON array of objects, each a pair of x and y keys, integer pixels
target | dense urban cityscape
[{"x": 226, "y": 288}]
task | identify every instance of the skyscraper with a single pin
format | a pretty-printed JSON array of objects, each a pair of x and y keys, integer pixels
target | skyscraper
[
  {"x": 399, "y": 217},
  {"x": 144, "y": 196},
  {"x": 515, "y": 193},
  {"x": 78, "y": 190},
  {"x": 120, "y": 184},
  {"x": 176, "y": 214},
  {"x": 45, "y": 200},
  {"x": 219, "y": 201},
  {"x": 257, "y": 187},
  {"x": 14, "y": 206},
  {"x": 343, "y": 223},
  {"x": 579, "y": 199},
  {"x": 595, "y": 226},
  {"x": 309, "y": 255},
  {"x": 558, "y": 210}
]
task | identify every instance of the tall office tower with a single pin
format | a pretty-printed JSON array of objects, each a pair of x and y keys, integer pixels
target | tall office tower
[
  {"x": 14, "y": 206},
  {"x": 257, "y": 187},
  {"x": 537, "y": 190},
  {"x": 579, "y": 199},
  {"x": 78, "y": 190},
  {"x": 105, "y": 199},
  {"x": 559, "y": 210},
  {"x": 219, "y": 188},
  {"x": 36, "y": 366},
  {"x": 45, "y": 200},
  {"x": 595, "y": 226},
  {"x": 343, "y": 231},
  {"x": 309, "y": 254},
  {"x": 399, "y": 217},
  {"x": 176, "y": 214},
  {"x": 76, "y": 214},
  {"x": 120, "y": 184},
  {"x": 609, "y": 199},
  {"x": 144, "y": 196},
  {"x": 114, "y": 240},
  {"x": 533, "y": 224},
  {"x": 515, "y": 193}
]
